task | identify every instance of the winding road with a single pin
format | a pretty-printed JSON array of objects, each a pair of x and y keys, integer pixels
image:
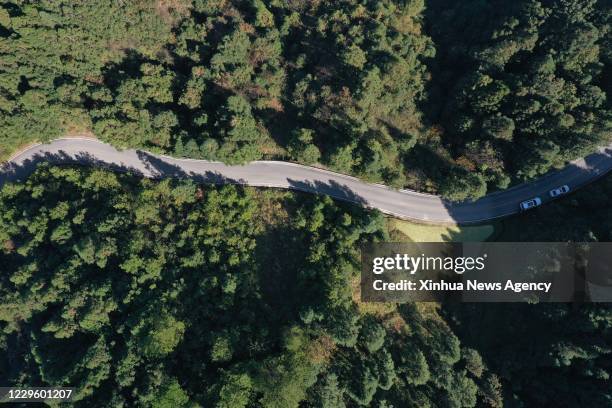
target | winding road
[{"x": 399, "y": 203}]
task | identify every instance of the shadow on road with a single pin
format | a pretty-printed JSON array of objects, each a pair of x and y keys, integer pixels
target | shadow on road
[
  {"x": 490, "y": 206},
  {"x": 159, "y": 169},
  {"x": 155, "y": 167},
  {"x": 330, "y": 188},
  {"x": 494, "y": 205}
]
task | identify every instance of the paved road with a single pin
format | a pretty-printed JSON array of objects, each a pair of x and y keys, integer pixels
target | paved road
[{"x": 400, "y": 203}]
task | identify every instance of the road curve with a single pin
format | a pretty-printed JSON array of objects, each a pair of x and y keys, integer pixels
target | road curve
[{"x": 399, "y": 203}]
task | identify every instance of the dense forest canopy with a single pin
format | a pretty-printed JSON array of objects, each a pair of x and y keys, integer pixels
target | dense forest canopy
[
  {"x": 442, "y": 96},
  {"x": 549, "y": 354},
  {"x": 171, "y": 294},
  {"x": 585, "y": 216}
]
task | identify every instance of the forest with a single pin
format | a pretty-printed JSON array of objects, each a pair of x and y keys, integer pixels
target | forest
[
  {"x": 548, "y": 354},
  {"x": 455, "y": 98},
  {"x": 171, "y": 294}
]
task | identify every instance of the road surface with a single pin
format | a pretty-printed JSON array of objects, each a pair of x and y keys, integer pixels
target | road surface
[{"x": 399, "y": 203}]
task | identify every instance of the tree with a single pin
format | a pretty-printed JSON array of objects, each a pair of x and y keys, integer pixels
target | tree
[
  {"x": 328, "y": 393},
  {"x": 171, "y": 395},
  {"x": 473, "y": 362},
  {"x": 414, "y": 366},
  {"x": 372, "y": 335},
  {"x": 235, "y": 391},
  {"x": 461, "y": 185},
  {"x": 162, "y": 336},
  {"x": 499, "y": 127},
  {"x": 354, "y": 57},
  {"x": 301, "y": 148},
  {"x": 221, "y": 350},
  {"x": 239, "y": 141}
]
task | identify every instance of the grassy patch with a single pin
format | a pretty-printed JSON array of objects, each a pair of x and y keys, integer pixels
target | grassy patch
[
  {"x": 378, "y": 309},
  {"x": 406, "y": 231}
]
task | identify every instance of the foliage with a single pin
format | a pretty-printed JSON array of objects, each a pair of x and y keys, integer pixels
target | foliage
[
  {"x": 141, "y": 292},
  {"x": 523, "y": 83},
  {"x": 364, "y": 87},
  {"x": 52, "y": 52},
  {"x": 559, "y": 354},
  {"x": 586, "y": 215}
]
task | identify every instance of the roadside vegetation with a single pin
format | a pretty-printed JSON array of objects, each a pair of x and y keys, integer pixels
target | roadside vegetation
[
  {"x": 408, "y": 231},
  {"x": 548, "y": 354},
  {"x": 455, "y": 98},
  {"x": 171, "y": 294},
  {"x": 583, "y": 216}
]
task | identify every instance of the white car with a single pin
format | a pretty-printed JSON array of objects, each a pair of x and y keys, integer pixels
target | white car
[
  {"x": 556, "y": 192},
  {"x": 534, "y": 202}
]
